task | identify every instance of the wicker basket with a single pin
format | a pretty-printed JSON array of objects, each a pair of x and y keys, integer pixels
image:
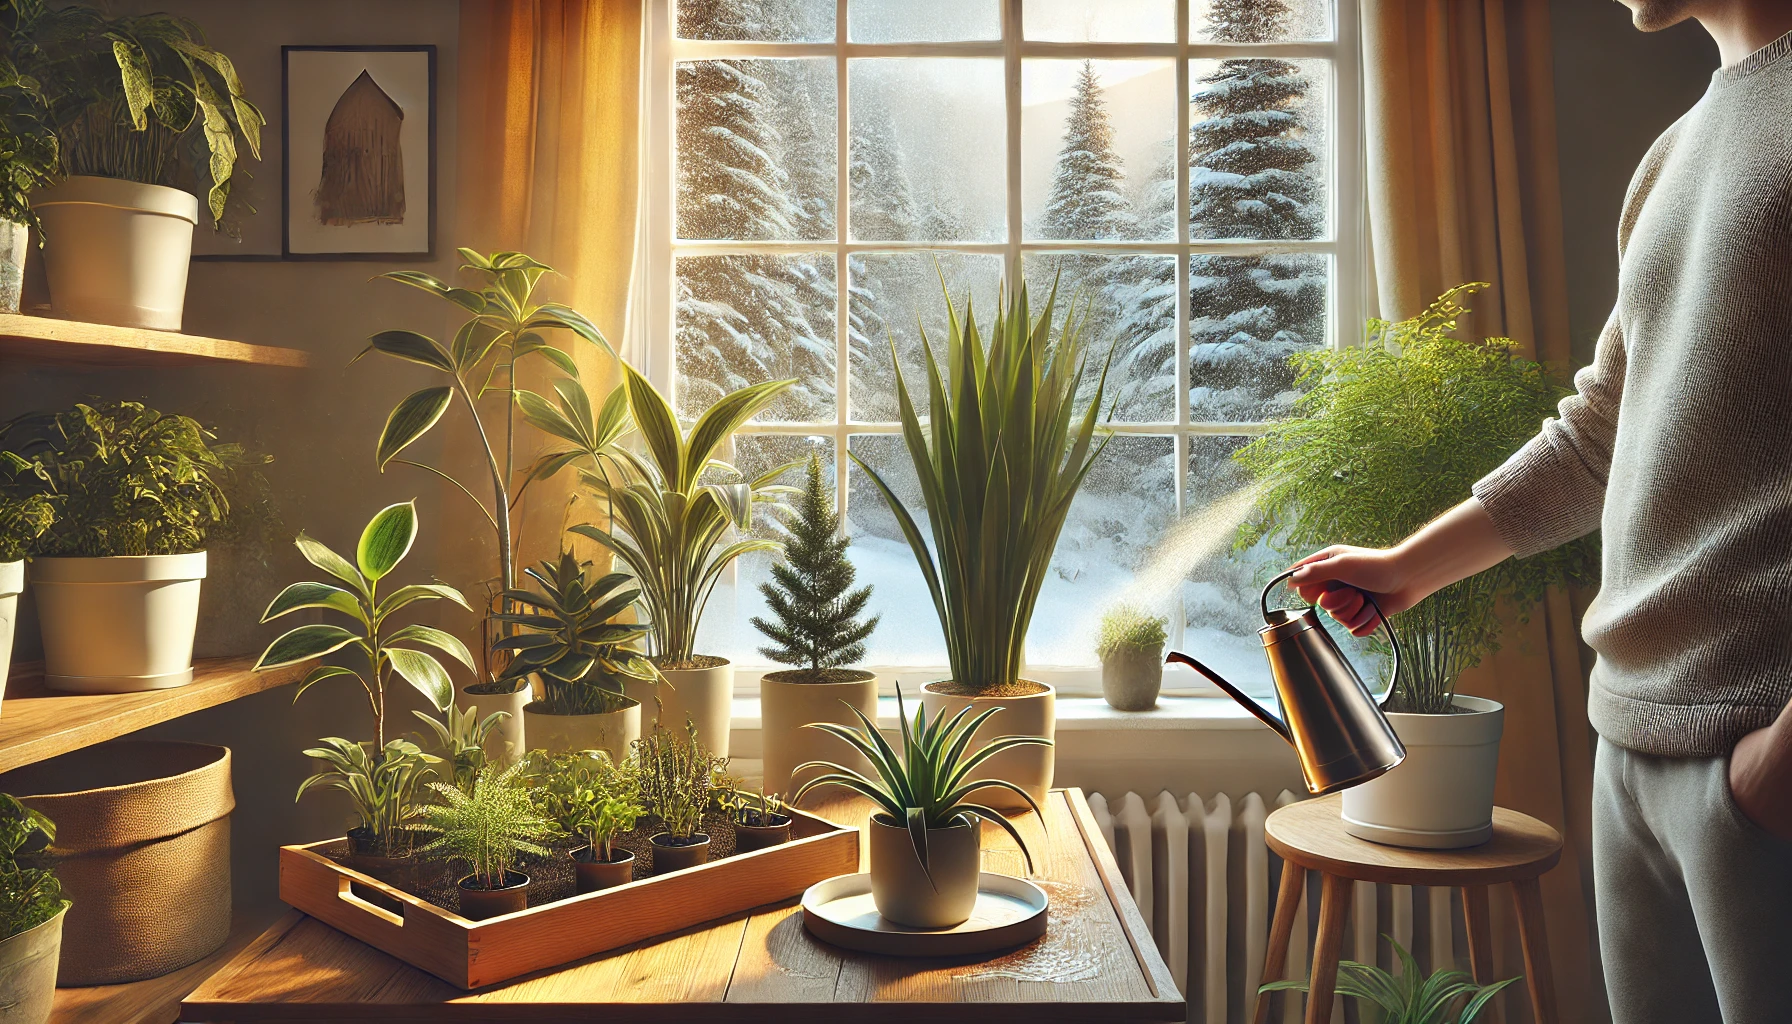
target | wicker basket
[{"x": 143, "y": 850}]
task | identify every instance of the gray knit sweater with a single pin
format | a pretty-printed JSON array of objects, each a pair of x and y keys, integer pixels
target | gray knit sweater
[{"x": 1678, "y": 443}]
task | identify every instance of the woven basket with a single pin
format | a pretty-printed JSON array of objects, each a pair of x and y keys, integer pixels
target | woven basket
[{"x": 143, "y": 850}]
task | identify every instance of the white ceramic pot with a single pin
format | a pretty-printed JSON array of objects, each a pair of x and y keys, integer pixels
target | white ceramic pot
[
  {"x": 116, "y": 251},
  {"x": 941, "y": 896},
  {"x": 1130, "y": 680},
  {"x": 508, "y": 740},
  {"x": 119, "y": 624},
  {"x": 613, "y": 732},
  {"x": 787, "y": 705},
  {"x": 1441, "y": 796},
  {"x": 28, "y": 972},
  {"x": 12, "y": 584},
  {"x": 15, "y": 242},
  {"x": 1029, "y": 767},
  {"x": 705, "y": 696}
]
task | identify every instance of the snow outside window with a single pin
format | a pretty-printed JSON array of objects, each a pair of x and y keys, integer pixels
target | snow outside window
[{"x": 817, "y": 168}]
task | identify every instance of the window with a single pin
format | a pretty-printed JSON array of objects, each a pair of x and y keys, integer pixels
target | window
[{"x": 1188, "y": 167}]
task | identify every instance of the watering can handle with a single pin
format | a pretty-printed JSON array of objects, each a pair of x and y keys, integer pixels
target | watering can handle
[{"x": 1387, "y": 626}]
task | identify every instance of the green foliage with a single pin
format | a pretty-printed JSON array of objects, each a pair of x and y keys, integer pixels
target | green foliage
[
  {"x": 385, "y": 784},
  {"x": 1388, "y": 436},
  {"x": 384, "y": 542},
  {"x": 23, "y": 519},
  {"x": 811, "y": 591},
  {"x": 666, "y": 524},
  {"x": 29, "y": 152},
  {"x": 929, "y": 785},
  {"x": 570, "y": 643},
  {"x": 999, "y": 462},
  {"x": 30, "y": 893},
  {"x": 757, "y": 809},
  {"x": 587, "y": 795},
  {"x": 676, "y": 778},
  {"x": 122, "y": 478},
  {"x": 488, "y": 828},
  {"x": 1129, "y": 628},
  {"x": 461, "y": 739},
  {"x": 1409, "y": 997}
]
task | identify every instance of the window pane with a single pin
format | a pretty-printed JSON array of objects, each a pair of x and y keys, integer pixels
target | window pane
[
  {"x": 1133, "y": 311},
  {"x": 750, "y": 318},
  {"x": 1220, "y": 586},
  {"x": 1098, "y": 149},
  {"x": 894, "y": 297},
  {"x": 1259, "y": 21},
  {"x": 1247, "y": 315},
  {"x": 1257, "y": 148},
  {"x": 1111, "y": 535},
  {"x": 1101, "y": 21},
  {"x": 923, "y": 21},
  {"x": 927, "y": 149},
  {"x": 779, "y": 21},
  {"x": 756, "y": 149},
  {"x": 909, "y": 634}
]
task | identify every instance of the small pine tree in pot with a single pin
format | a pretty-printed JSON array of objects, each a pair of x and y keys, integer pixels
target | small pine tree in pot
[{"x": 815, "y": 625}]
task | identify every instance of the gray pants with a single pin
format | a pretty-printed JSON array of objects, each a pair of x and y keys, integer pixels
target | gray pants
[{"x": 1695, "y": 900}]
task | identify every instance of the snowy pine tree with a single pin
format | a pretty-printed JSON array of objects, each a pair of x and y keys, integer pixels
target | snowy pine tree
[
  {"x": 883, "y": 209},
  {"x": 1088, "y": 199},
  {"x": 1142, "y": 291},
  {"x": 811, "y": 593}
]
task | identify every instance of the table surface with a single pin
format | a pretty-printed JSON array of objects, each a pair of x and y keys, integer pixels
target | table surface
[
  {"x": 1096, "y": 962},
  {"x": 1311, "y": 833}
]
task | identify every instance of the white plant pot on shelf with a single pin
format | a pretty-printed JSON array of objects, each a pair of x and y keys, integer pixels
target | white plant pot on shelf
[
  {"x": 786, "y": 707},
  {"x": 12, "y": 584},
  {"x": 703, "y": 695},
  {"x": 117, "y": 251},
  {"x": 119, "y": 624},
  {"x": 1030, "y": 767},
  {"x": 28, "y": 964},
  {"x": 613, "y": 732},
  {"x": 1441, "y": 796}
]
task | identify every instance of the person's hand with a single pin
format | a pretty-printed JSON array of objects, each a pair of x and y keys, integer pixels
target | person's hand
[
  {"x": 1335, "y": 579},
  {"x": 1761, "y": 780}
]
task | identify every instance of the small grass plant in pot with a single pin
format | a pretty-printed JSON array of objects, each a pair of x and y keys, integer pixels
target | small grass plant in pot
[
  {"x": 999, "y": 459},
  {"x": 1131, "y": 649},
  {"x": 676, "y": 776},
  {"x": 759, "y": 819},
  {"x": 1447, "y": 996},
  {"x": 23, "y": 519},
  {"x": 815, "y": 624},
  {"x": 487, "y": 830},
  {"x": 924, "y": 839},
  {"x": 31, "y": 913},
  {"x": 593, "y": 797},
  {"x": 1385, "y": 437}
]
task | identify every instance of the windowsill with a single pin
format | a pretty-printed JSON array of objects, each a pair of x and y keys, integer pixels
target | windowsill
[{"x": 1084, "y": 714}]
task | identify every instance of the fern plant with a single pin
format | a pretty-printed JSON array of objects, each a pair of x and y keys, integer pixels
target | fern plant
[
  {"x": 817, "y": 611},
  {"x": 488, "y": 828},
  {"x": 385, "y": 784},
  {"x": 1448, "y": 996},
  {"x": 570, "y": 642}
]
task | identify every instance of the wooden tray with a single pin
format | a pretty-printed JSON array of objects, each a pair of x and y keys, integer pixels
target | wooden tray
[{"x": 472, "y": 954}]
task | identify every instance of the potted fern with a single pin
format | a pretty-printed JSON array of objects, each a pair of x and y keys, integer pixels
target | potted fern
[
  {"x": 487, "y": 830},
  {"x": 996, "y": 499},
  {"x": 815, "y": 626},
  {"x": 676, "y": 775},
  {"x": 592, "y": 797},
  {"x": 31, "y": 914},
  {"x": 1131, "y": 649},
  {"x": 1387, "y": 436}
]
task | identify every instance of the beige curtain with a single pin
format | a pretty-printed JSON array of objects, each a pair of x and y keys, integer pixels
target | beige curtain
[{"x": 1463, "y": 187}]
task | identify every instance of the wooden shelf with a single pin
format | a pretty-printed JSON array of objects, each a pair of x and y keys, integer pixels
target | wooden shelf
[
  {"x": 38, "y": 723},
  {"x": 48, "y": 341},
  {"x": 156, "y": 1001}
]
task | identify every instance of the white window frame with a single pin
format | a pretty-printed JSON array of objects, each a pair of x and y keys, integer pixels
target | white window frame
[{"x": 651, "y": 343}]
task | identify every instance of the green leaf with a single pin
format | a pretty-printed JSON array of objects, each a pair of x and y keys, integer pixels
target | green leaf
[
  {"x": 303, "y": 644},
  {"x": 329, "y": 561},
  {"x": 137, "y": 79},
  {"x": 424, "y": 672},
  {"x": 387, "y": 539},
  {"x": 414, "y": 347},
  {"x": 321, "y": 673},
  {"x": 437, "y": 638},
  {"x": 541, "y": 415},
  {"x": 313, "y": 595},
  {"x": 419, "y": 592},
  {"x": 411, "y": 419}
]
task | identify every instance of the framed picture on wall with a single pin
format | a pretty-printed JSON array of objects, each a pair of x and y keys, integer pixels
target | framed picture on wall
[{"x": 359, "y": 136}]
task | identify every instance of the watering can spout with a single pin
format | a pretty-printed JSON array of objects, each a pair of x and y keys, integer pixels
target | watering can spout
[{"x": 1270, "y": 718}]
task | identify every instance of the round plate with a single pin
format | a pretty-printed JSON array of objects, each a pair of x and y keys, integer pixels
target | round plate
[{"x": 1010, "y": 911}]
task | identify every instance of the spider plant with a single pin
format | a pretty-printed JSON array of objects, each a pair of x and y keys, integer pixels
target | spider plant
[
  {"x": 461, "y": 739},
  {"x": 928, "y": 785},
  {"x": 1409, "y": 997},
  {"x": 570, "y": 642},
  {"x": 386, "y": 784},
  {"x": 999, "y": 460}
]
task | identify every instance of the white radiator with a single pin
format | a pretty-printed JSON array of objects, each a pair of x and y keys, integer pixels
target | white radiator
[{"x": 1206, "y": 883}]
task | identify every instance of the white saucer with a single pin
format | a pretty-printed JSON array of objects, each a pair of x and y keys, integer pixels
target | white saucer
[{"x": 1010, "y": 911}]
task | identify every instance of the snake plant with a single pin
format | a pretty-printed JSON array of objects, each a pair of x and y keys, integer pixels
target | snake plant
[
  {"x": 571, "y": 644},
  {"x": 999, "y": 460},
  {"x": 928, "y": 785}
]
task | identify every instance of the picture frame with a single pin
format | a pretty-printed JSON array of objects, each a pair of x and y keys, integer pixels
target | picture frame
[{"x": 358, "y": 165}]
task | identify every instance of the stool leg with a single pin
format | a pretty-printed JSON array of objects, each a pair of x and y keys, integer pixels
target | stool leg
[
  {"x": 1334, "y": 907},
  {"x": 1294, "y": 882},
  {"x": 1480, "y": 932},
  {"x": 1528, "y": 895}
]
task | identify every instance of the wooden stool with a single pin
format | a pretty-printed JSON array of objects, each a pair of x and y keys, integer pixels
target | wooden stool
[{"x": 1310, "y": 836}]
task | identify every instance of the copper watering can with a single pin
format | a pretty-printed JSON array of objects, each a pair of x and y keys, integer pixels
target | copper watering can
[{"x": 1335, "y": 725}]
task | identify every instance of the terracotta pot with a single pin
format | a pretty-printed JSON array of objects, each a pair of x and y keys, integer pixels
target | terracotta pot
[
  {"x": 116, "y": 251},
  {"x": 676, "y": 858},
  {"x": 940, "y": 896},
  {"x": 15, "y": 241},
  {"x": 479, "y": 904},
  {"x": 703, "y": 695},
  {"x": 748, "y": 838},
  {"x": 1131, "y": 680},
  {"x": 593, "y": 875},
  {"x": 12, "y": 584},
  {"x": 28, "y": 972},
  {"x": 1029, "y": 767},
  {"x": 613, "y": 732},
  {"x": 120, "y": 624},
  {"x": 1441, "y": 796},
  {"x": 787, "y": 704},
  {"x": 507, "y": 742}
]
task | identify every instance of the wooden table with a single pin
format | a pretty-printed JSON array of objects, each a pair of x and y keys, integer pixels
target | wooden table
[{"x": 1096, "y": 962}]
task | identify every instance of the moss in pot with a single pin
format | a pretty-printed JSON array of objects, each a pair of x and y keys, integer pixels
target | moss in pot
[
  {"x": 592, "y": 797},
  {"x": 676, "y": 777},
  {"x": 1131, "y": 649},
  {"x": 487, "y": 830}
]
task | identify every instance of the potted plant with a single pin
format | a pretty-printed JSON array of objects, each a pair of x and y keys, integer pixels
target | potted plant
[
  {"x": 676, "y": 773},
  {"x": 385, "y": 786},
  {"x": 1448, "y": 996},
  {"x": 671, "y": 526},
  {"x": 1387, "y": 436},
  {"x": 486, "y": 830},
  {"x": 136, "y": 101},
  {"x": 759, "y": 819},
  {"x": 996, "y": 501},
  {"x": 31, "y": 913},
  {"x": 117, "y": 574},
  {"x": 1131, "y": 650},
  {"x": 23, "y": 519},
  {"x": 594, "y": 798},
  {"x": 924, "y": 839},
  {"x": 460, "y": 737},
  {"x": 579, "y": 657},
  {"x": 816, "y": 628},
  {"x": 29, "y": 160}
]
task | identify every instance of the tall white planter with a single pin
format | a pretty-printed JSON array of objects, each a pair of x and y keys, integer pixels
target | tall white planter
[
  {"x": 1030, "y": 767},
  {"x": 508, "y": 741},
  {"x": 786, "y": 707},
  {"x": 613, "y": 732},
  {"x": 703, "y": 695},
  {"x": 28, "y": 963},
  {"x": 12, "y": 584},
  {"x": 119, "y": 624},
  {"x": 15, "y": 239},
  {"x": 116, "y": 251},
  {"x": 1441, "y": 796}
]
